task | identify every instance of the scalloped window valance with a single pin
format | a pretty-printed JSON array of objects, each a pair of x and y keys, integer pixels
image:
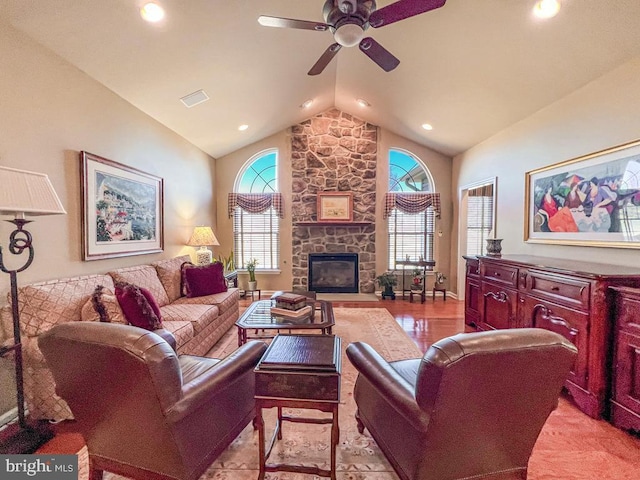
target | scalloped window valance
[
  {"x": 411, "y": 202},
  {"x": 256, "y": 202}
]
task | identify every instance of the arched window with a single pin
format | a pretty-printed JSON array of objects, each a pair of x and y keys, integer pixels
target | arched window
[
  {"x": 410, "y": 234},
  {"x": 256, "y": 235}
]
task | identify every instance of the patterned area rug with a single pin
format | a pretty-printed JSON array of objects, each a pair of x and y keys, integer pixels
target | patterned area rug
[{"x": 358, "y": 456}]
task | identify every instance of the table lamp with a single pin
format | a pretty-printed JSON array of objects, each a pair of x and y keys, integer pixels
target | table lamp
[
  {"x": 23, "y": 193},
  {"x": 202, "y": 237}
]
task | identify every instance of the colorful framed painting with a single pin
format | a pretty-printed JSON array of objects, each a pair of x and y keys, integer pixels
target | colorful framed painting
[
  {"x": 122, "y": 209},
  {"x": 335, "y": 207},
  {"x": 593, "y": 200}
]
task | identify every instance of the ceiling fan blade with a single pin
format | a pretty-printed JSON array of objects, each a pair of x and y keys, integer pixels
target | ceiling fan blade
[
  {"x": 324, "y": 59},
  {"x": 291, "y": 23},
  {"x": 379, "y": 54},
  {"x": 402, "y": 9}
]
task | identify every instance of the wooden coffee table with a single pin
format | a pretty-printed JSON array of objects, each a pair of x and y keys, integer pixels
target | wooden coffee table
[
  {"x": 258, "y": 322},
  {"x": 299, "y": 371}
]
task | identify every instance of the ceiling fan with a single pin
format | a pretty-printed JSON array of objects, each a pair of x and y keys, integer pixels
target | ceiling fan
[{"x": 348, "y": 20}]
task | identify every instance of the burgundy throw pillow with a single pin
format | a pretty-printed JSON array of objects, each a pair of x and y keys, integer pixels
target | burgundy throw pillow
[
  {"x": 204, "y": 280},
  {"x": 139, "y": 306}
]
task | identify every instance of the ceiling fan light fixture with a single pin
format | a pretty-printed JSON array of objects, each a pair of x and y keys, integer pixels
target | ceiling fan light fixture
[
  {"x": 546, "y": 8},
  {"x": 152, "y": 12},
  {"x": 349, "y": 34}
]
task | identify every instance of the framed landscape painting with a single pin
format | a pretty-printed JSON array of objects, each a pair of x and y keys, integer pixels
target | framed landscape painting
[
  {"x": 335, "y": 206},
  {"x": 122, "y": 209},
  {"x": 593, "y": 200}
]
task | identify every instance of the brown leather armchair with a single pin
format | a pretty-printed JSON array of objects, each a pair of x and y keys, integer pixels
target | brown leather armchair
[
  {"x": 144, "y": 411},
  {"x": 472, "y": 407}
]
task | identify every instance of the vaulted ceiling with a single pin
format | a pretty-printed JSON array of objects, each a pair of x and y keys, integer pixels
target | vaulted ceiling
[{"x": 470, "y": 68}]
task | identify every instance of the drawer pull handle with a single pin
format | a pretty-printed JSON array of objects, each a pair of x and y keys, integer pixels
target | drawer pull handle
[
  {"x": 501, "y": 297},
  {"x": 496, "y": 274},
  {"x": 555, "y": 289},
  {"x": 547, "y": 314}
]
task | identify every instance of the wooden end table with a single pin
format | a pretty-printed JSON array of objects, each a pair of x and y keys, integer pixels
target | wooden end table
[{"x": 299, "y": 371}]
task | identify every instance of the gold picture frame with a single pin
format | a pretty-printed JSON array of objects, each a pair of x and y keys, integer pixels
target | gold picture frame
[
  {"x": 592, "y": 200},
  {"x": 122, "y": 209},
  {"x": 335, "y": 207}
]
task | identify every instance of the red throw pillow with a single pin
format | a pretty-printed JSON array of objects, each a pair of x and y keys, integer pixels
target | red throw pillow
[
  {"x": 204, "y": 280},
  {"x": 139, "y": 306}
]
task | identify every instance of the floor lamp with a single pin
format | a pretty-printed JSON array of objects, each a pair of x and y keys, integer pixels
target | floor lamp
[{"x": 23, "y": 193}]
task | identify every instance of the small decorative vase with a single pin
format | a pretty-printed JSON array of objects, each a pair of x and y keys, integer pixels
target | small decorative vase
[
  {"x": 494, "y": 247},
  {"x": 253, "y": 286}
]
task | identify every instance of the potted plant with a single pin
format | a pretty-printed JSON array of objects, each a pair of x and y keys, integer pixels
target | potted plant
[
  {"x": 387, "y": 281},
  {"x": 251, "y": 268},
  {"x": 227, "y": 262},
  {"x": 417, "y": 279}
]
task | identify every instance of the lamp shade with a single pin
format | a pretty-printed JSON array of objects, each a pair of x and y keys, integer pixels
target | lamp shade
[
  {"x": 27, "y": 193},
  {"x": 202, "y": 236}
]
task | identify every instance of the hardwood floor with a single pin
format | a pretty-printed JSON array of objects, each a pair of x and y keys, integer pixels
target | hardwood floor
[
  {"x": 425, "y": 323},
  {"x": 572, "y": 443}
]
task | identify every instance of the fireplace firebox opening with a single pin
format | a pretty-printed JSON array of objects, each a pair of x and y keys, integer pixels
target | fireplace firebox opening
[{"x": 333, "y": 272}]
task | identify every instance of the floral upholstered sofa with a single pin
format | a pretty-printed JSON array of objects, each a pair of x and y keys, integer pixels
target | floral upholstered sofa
[{"x": 196, "y": 323}]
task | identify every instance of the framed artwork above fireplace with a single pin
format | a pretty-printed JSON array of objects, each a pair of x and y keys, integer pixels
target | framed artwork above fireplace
[{"x": 335, "y": 206}]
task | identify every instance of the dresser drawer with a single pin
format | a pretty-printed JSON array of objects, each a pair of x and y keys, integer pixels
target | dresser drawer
[
  {"x": 565, "y": 290},
  {"x": 473, "y": 269},
  {"x": 571, "y": 324},
  {"x": 503, "y": 274},
  {"x": 628, "y": 311}
]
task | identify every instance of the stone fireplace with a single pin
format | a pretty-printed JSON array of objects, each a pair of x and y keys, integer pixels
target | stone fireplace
[
  {"x": 333, "y": 273},
  {"x": 331, "y": 152}
]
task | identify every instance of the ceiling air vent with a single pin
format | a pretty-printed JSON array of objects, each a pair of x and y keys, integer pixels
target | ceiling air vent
[{"x": 194, "y": 98}]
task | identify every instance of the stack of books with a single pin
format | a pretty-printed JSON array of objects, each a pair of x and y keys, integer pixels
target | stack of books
[
  {"x": 283, "y": 312},
  {"x": 290, "y": 301},
  {"x": 291, "y": 305}
]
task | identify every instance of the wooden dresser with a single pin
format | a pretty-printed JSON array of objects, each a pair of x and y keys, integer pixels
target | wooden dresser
[
  {"x": 566, "y": 296},
  {"x": 625, "y": 386}
]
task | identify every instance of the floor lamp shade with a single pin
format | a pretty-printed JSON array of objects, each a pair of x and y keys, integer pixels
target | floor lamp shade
[
  {"x": 27, "y": 193},
  {"x": 202, "y": 237},
  {"x": 23, "y": 193}
]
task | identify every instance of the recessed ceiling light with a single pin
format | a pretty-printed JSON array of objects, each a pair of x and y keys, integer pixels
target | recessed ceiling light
[
  {"x": 152, "y": 12},
  {"x": 242, "y": 128},
  {"x": 427, "y": 126},
  {"x": 307, "y": 104},
  {"x": 546, "y": 8},
  {"x": 363, "y": 103}
]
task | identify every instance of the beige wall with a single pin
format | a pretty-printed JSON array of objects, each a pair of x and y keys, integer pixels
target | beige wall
[
  {"x": 49, "y": 112},
  {"x": 227, "y": 169},
  {"x": 602, "y": 114},
  {"x": 440, "y": 167}
]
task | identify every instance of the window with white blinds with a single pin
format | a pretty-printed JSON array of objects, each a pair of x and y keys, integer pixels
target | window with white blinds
[
  {"x": 479, "y": 218},
  {"x": 410, "y": 234},
  {"x": 257, "y": 235}
]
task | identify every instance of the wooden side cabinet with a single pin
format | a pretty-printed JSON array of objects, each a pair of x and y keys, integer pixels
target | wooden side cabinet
[
  {"x": 567, "y": 297},
  {"x": 625, "y": 389},
  {"x": 472, "y": 292}
]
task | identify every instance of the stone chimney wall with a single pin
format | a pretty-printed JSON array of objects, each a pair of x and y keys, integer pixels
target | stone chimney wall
[{"x": 331, "y": 152}]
